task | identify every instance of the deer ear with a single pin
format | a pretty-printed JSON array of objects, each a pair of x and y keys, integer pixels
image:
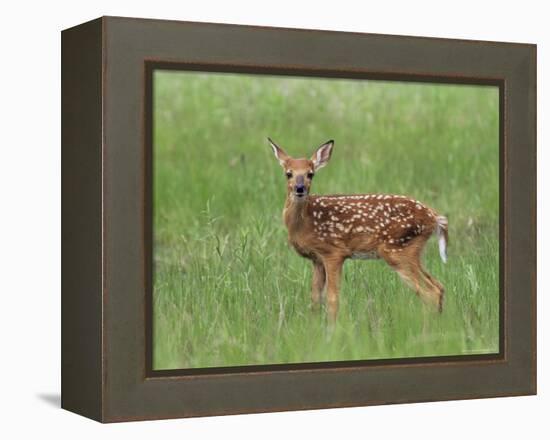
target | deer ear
[
  {"x": 281, "y": 156},
  {"x": 321, "y": 157}
]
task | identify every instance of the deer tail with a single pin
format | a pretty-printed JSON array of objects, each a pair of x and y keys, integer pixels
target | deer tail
[{"x": 442, "y": 231}]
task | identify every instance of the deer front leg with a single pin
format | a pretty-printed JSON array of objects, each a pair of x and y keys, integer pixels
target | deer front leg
[
  {"x": 333, "y": 269},
  {"x": 317, "y": 285}
]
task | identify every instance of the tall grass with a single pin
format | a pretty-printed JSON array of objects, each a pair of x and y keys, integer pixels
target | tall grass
[{"x": 228, "y": 290}]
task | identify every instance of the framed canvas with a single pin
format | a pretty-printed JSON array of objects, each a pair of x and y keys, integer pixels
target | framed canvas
[{"x": 184, "y": 292}]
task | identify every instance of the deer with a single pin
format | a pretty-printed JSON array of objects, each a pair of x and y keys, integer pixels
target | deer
[{"x": 330, "y": 229}]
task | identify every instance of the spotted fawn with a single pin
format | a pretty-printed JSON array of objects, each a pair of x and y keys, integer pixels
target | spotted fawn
[{"x": 330, "y": 229}]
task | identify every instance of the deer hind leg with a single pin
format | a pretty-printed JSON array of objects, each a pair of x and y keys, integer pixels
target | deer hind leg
[
  {"x": 413, "y": 275},
  {"x": 436, "y": 285},
  {"x": 317, "y": 285},
  {"x": 409, "y": 267}
]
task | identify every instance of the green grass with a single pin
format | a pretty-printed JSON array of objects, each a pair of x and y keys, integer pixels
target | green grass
[{"x": 228, "y": 289}]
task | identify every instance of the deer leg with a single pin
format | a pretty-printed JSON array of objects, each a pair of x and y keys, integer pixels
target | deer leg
[
  {"x": 407, "y": 263},
  {"x": 317, "y": 285},
  {"x": 413, "y": 275},
  {"x": 436, "y": 285},
  {"x": 407, "y": 275},
  {"x": 409, "y": 268},
  {"x": 333, "y": 269}
]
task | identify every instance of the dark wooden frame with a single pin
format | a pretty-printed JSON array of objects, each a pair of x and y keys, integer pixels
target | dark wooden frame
[{"x": 106, "y": 221}]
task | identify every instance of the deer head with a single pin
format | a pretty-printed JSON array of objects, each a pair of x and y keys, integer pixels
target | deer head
[{"x": 299, "y": 172}]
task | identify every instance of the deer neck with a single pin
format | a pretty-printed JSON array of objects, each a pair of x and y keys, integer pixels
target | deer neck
[{"x": 295, "y": 214}]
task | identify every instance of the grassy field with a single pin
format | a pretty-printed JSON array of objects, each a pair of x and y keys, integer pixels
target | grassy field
[{"x": 228, "y": 289}]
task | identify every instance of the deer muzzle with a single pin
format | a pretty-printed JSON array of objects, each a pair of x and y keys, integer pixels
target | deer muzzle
[{"x": 300, "y": 189}]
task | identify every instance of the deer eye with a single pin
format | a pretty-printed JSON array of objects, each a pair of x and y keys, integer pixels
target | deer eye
[
  {"x": 289, "y": 174},
  {"x": 310, "y": 175}
]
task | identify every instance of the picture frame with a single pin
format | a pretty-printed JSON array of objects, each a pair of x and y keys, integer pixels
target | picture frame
[{"x": 107, "y": 372}]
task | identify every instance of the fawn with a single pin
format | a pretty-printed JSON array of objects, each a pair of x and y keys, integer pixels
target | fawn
[{"x": 332, "y": 228}]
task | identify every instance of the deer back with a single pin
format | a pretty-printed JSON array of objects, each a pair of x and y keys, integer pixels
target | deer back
[{"x": 354, "y": 226}]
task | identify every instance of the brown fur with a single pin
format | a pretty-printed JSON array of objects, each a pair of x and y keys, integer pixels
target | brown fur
[{"x": 330, "y": 229}]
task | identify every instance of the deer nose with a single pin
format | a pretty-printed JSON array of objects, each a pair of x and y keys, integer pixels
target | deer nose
[{"x": 300, "y": 189}]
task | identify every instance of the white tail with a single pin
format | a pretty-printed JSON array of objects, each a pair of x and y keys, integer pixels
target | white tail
[{"x": 442, "y": 236}]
